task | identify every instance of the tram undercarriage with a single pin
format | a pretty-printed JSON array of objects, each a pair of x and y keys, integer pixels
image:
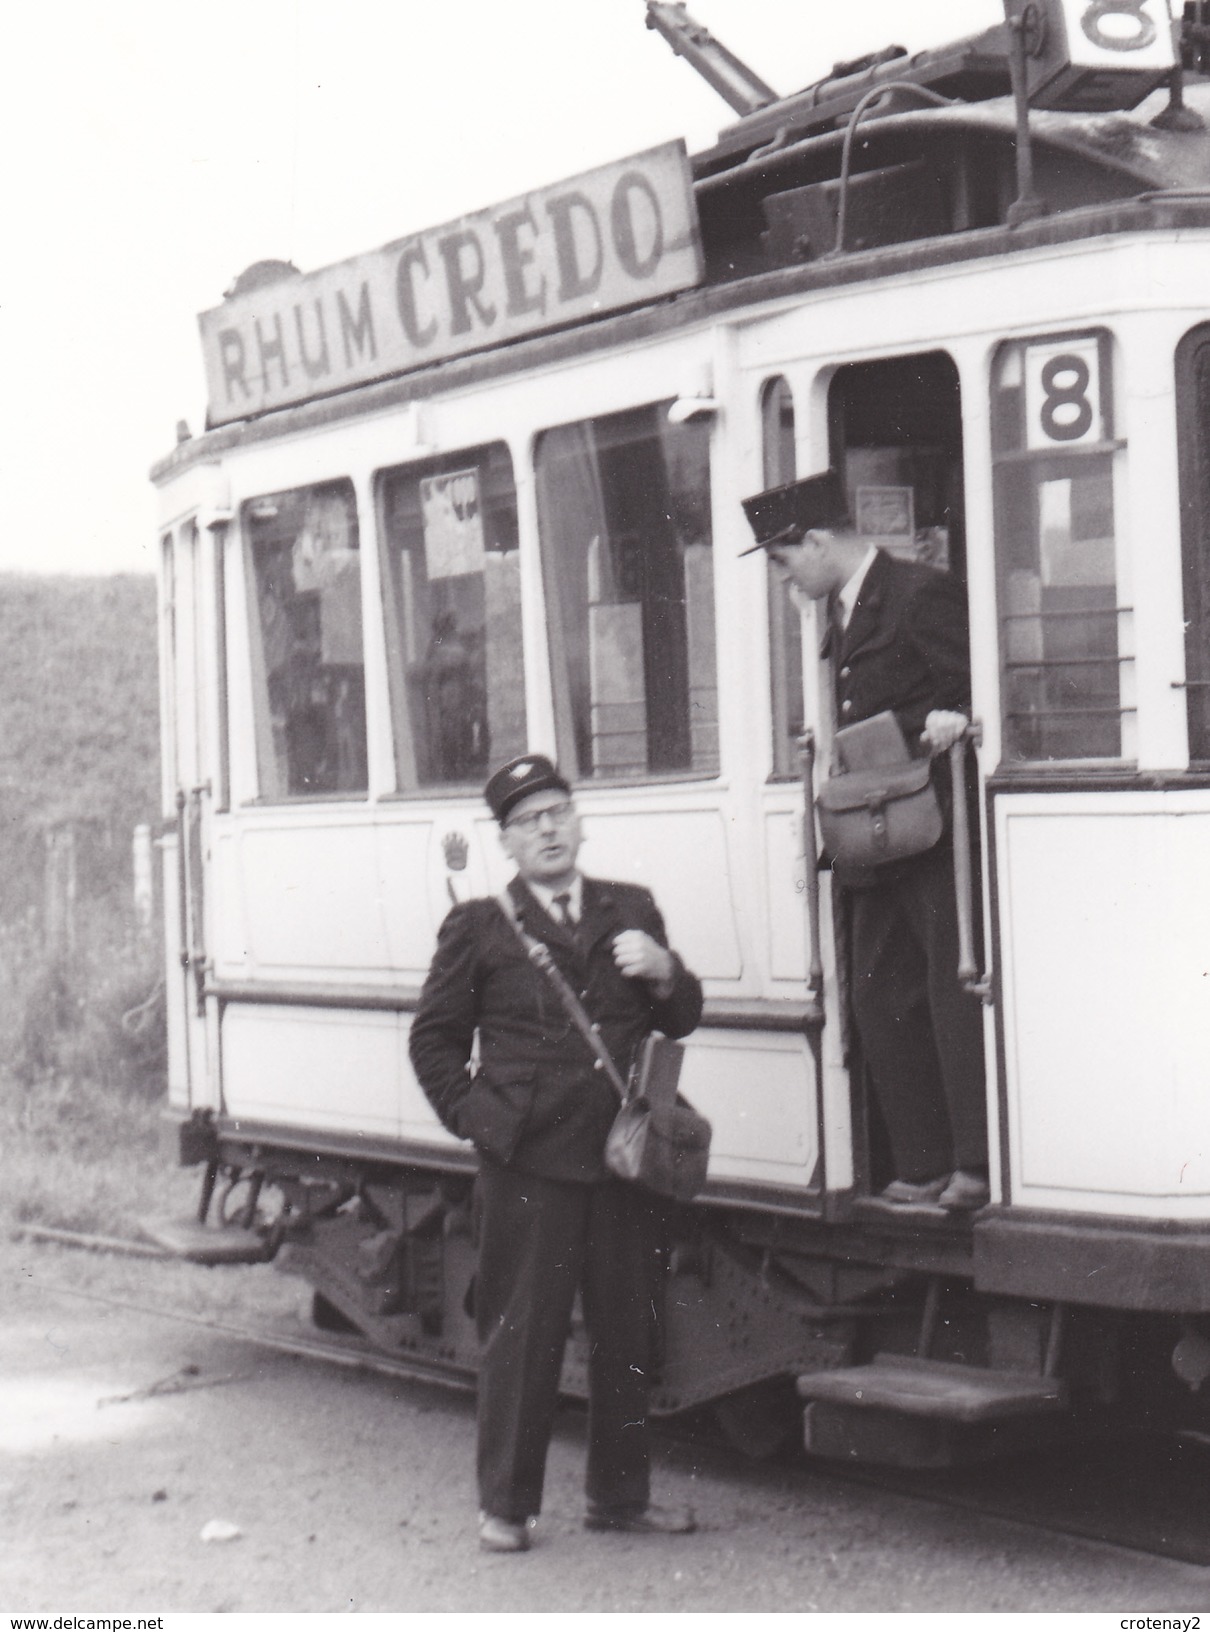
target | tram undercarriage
[{"x": 870, "y": 1343}]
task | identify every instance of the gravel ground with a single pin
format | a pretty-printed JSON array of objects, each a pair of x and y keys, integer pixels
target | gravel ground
[{"x": 122, "y": 1435}]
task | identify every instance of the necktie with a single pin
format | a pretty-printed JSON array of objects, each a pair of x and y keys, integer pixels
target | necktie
[
  {"x": 562, "y": 908},
  {"x": 834, "y": 630}
]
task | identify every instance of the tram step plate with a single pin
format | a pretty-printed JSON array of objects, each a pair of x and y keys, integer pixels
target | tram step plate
[
  {"x": 203, "y": 1243},
  {"x": 936, "y": 1388}
]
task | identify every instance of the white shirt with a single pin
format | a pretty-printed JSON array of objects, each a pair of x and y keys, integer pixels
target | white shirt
[
  {"x": 848, "y": 595},
  {"x": 546, "y": 897}
]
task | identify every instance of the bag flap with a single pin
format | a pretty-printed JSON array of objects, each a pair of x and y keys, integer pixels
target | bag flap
[
  {"x": 876, "y": 741},
  {"x": 855, "y": 790}
]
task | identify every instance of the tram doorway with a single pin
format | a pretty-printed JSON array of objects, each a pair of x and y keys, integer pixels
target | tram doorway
[{"x": 895, "y": 436}]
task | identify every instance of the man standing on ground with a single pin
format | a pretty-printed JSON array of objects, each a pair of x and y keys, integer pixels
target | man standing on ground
[
  {"x": 899, "y": 643},
  {"x": 551, "y": 1219}
]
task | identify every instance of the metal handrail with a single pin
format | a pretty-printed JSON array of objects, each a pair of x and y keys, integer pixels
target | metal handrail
[
  {"x": 871, "y": 96},
  {"x": 810, "y": 854},
  {"x": 195, "y": 871},
  {"x": 969, "y": 977}
]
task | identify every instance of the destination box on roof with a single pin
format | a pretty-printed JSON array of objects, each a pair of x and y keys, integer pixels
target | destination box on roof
[{"x": 620, "y": 235}]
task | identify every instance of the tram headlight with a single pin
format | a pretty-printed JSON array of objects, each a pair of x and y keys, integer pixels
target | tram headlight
[{"x": 687, "y": 408}]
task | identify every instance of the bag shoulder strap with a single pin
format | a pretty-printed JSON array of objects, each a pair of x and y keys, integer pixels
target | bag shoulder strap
[{"x": 539, "y": 954}]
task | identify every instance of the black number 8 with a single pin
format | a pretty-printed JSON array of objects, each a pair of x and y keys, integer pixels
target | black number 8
[
  {"x": 1066, "y": 396},
  {"x": 1095, "y": 14}
]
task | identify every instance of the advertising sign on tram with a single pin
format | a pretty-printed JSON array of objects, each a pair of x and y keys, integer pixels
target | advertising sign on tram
[{"x": 596, "y": 243}]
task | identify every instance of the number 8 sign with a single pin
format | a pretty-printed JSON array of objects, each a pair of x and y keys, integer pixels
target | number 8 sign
[
  {"x": 1063, "y": 393},
  {"x": 1119, "y": 33},
  {"x": 1094, "y": 54}
]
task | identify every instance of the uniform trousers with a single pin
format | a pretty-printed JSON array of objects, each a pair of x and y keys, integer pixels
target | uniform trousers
[
  {"x": 540, "y": 1241},
  {"x": 921, "y": 1034}
]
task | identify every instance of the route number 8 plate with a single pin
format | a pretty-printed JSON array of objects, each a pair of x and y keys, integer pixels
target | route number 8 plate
[
  {"x": 1063, "y": 393},
  {"x": 1095, "y": 55},
  {"x": 1119, "y": 33}
]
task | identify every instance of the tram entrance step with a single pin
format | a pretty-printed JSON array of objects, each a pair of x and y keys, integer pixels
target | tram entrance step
[
  {"x": 204, "y": 1243},
  {"x": 936, "y": 1388}
]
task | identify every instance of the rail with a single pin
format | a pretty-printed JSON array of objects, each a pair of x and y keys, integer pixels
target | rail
[
  {"x": 969, "y": 977},
  {"x": 932, "y": 98},
  {"x": 810, "y": 855},
  {"x": 1140, "y": 1491}
]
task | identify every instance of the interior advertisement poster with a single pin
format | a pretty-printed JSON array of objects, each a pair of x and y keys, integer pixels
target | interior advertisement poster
[{"x": 453, "y": 526}]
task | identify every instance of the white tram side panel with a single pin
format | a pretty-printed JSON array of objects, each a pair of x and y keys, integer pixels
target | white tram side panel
[
  {"x": 1105, "y": 952},
  {"x": 348, "y": 893},
  {"x": 181, "y": 1094},
  {"x": 190, "y": 730}
]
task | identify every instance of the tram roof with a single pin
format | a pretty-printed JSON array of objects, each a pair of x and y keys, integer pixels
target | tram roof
[
  {"x": 973, "y": 73},
  {"x": 1122, "y": 140},
  {"x": 954, "y": 97},
  {"x": 766, "y": 175}
]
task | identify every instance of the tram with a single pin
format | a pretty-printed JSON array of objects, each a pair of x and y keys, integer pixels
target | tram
[{"x": 478, "y": 492}]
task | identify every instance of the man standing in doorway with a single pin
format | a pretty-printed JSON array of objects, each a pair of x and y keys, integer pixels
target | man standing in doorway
[
  {"x": 899, "y": 642},
  {"x": 551, "y": 1219}
]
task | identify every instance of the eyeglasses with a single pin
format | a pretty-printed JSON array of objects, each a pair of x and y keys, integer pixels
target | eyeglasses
[{"x": 533, "y": 819}]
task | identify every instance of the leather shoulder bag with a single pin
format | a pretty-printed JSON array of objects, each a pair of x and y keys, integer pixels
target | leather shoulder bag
[
  {"x": 871, "y": 813},
  {"x": 657, "y": 1140}
]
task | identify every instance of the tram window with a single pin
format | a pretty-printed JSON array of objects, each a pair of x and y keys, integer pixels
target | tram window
[
  {"x": 624, "y": 518},
  {"x": 785, "y": 619},
  {"x": 308, "y": 668},
  {"x": 1193, "y": 436},
  {"x": 451, "y": 564},
  {"x": 1065, "y": 634}
]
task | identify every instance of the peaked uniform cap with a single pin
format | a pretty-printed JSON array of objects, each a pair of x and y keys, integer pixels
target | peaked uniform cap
[
  {"x": 528, "y": 773},
  {"x": 780, "y": 513}
]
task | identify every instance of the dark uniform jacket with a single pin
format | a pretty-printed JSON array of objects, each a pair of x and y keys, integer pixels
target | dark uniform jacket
[
  {"x": 907, "y": 649},
  {"x": 536, "y": 1100}
]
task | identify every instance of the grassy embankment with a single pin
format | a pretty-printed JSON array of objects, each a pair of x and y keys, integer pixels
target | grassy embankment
[{"x": 81, "y": 1025}]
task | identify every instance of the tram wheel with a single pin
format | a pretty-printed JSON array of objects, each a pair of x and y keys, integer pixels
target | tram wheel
[
  {"x": 328, "y": 1317},
  {"x": 762, "y": 1419}
]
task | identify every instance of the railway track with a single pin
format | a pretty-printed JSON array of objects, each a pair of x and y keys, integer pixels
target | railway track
[
  {"x": 348, "y": 1352},
  {"x": 1139, "y": 1490}
]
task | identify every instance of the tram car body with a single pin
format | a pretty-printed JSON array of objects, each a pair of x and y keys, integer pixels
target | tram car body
[{"x": 479, "y": 493}]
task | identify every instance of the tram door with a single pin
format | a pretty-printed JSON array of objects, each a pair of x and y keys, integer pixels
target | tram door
[
  {"x": 189, "y": 789},
  {"x": 895, "y": 435}
]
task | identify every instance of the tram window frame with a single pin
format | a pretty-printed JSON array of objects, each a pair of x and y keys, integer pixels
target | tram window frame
[
  {"x": 1067, "y": 462},
  {"x": 1193, "y": 464},
  {"x": 267, "y": 524},
  {"x": 779, "y": 463},
  {"x": 643, "y": 508},
  {"x": 430, "y": 717}
]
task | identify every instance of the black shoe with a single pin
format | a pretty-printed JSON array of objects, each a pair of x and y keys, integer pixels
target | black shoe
[{"x": 646, "y": 1521}]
